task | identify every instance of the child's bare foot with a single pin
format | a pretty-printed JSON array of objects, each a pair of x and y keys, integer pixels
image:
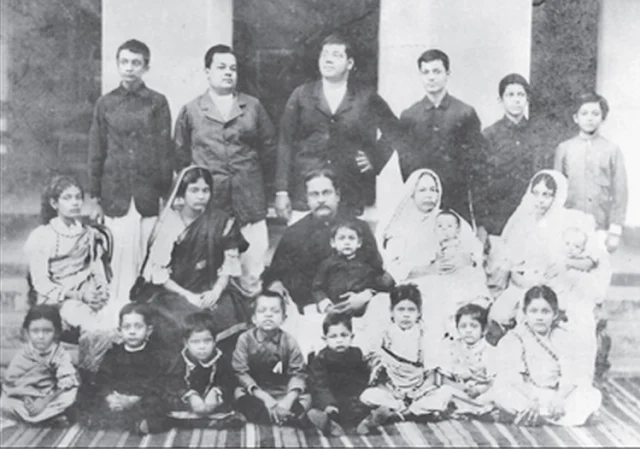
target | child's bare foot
[
  {"x": 335, "y": 429},
  {"x": 319, "y": 419}
]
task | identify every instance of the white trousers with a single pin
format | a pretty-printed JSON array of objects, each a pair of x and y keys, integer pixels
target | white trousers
[{"x": 130, "y": 236}]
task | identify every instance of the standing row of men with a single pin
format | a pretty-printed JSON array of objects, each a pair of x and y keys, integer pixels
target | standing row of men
[{"x": 330, "y": 123}]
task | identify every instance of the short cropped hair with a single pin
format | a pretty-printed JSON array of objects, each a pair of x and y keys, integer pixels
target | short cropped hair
[
  {"x": 138, "y": 47},
  {"x": 136, "y": 308},
  {"x": 333, "y": 319},
  {"x": 474, "y": 311},
  {"x": 450, "y": 213},
  {"x": 198, "y": 322},
  {"x": 269, "y": 294},
  {"x": 339, "y": 39},
  {"x": 592, "y": 97},
  {"x": 222, "y": 49},
  {"x": 346, "y": 224},
  {"x": 322, "y": 173},
  {"x": 406, "y": 291},
  {"x": 434, "y": 55},
  {"x": 514, "y": 78}
]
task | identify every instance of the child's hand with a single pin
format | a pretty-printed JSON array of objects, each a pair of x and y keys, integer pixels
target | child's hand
[
  {"x": 279, "y": 415},
  {"x": 35, "y": 406},
  {"x": 115, "y": 402},
  {"x": 612, "y": 242},
  {"x": 556, "y": 407},
  {"x": 325, "y": 306},
  {"x": 331, "y": 410},
  {"x": 213, "y": 399},
  {"x": 197, "y": 405}
]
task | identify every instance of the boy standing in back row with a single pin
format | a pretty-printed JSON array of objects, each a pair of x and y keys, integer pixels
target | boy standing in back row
[
  {"x": 595, "y": 169},
  {"x": 130, "y": 167}
]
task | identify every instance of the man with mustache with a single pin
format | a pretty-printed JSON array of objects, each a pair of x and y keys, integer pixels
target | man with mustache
[
  {"x": 333, "y": 123},
  {"x": 306, "y": 243},
  {"x": 230, "y": 133}
]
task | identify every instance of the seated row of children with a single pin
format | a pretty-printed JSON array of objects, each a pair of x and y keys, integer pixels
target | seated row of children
[{"x": 139, "y": 387}]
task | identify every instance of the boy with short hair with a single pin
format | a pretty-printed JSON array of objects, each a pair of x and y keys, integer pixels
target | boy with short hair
[
  {"x": 199, "y": 380},
  {"x": 343, "y": 272},
  {"x": 595, "y": 169},
  {"x": 130, "y": 162},
  {"x": 338, "y": 374},
  {"x": 270, "y": 367},
  {"x": 513, "y": 152}
]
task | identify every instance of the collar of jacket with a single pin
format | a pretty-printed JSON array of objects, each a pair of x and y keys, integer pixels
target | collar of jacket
[
  {"x": 262, "y": 336},
  {"x": 191, "y": 364},
  {"x": 210, "y": 110},
  {"x": 444, "y": 104},
  {"x": 141, "y": 91},
  {"x": 511, "y": 124},
  {"x": 323, "y": 106}
]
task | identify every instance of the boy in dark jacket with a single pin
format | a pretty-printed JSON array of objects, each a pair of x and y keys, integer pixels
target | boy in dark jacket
[
  {"x": 338, "y": 374},
  {"x": 200, "y": 380}
]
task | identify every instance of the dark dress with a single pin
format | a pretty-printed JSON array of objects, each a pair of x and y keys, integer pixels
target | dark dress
[{"x": 195, "y": 260}]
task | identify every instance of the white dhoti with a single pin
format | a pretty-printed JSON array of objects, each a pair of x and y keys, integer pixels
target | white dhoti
[{"x": 130, "y": 237}]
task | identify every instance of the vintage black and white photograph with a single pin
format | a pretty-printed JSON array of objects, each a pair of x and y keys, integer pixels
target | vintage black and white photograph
[{"x": 319, "y": 223}]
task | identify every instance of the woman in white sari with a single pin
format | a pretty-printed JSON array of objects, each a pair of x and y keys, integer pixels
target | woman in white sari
[
  {"x": 539, "y": 246},
  {"x": 413, "y": 252}
]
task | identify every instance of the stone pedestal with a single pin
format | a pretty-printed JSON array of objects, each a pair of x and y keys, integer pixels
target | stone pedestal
[{"x": 178, "y": 34}]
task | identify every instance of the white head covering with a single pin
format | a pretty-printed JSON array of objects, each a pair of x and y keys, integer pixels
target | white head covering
[
  {"x": 413, "y": 231},
  {"x": 395, "y": 222},
  {"x": 524, "y": 222}
]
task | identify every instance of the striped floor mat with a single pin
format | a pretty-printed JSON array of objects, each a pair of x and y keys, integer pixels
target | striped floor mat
[{"x": 617, "y": 425}]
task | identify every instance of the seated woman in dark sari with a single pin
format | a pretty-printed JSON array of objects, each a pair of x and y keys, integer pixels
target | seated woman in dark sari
[{"x": 194, "y": 262}]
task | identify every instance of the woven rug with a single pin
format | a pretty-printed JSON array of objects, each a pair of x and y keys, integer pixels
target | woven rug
[{"x": 616, "y": 425}]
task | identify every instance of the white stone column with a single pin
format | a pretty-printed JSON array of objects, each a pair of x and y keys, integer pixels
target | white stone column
[
  {"x": 617, "y": 80},
  {"x": 178, "y": 33},
  {"x": 484, "y": 40}
]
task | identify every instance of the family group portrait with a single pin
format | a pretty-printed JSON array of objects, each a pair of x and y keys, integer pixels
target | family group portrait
[{"x": 320, "y": 223}]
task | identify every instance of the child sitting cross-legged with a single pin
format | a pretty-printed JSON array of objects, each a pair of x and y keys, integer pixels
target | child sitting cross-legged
[
  {"x": 40, "y": 383},
  {"x": 199, "y": 379},
  {"x": 338, "y": 374},
  {"x": 270, "y": 367},
  {"x": 466, "y": 365},
  {"x": 402, "y": 386},
  {"x": 129, "y": 384}
]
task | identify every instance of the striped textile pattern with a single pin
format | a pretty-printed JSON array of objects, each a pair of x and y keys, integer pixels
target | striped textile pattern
[{"x": 617, "y": 425}]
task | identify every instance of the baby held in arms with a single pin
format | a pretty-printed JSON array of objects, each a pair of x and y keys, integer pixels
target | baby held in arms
[{"x": 450, "y": 256}]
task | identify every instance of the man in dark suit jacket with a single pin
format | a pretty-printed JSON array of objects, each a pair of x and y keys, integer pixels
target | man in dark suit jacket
[
  {"x": 443, "y": 134},
  {"x": 331, "y": 123},
  {"x": 130, "y": 166}
]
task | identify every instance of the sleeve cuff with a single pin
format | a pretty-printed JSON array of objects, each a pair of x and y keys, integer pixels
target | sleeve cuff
[{"x": 615, "y": 229}]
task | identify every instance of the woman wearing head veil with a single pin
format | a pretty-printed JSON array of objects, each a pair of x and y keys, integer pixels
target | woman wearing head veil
[
  {"x": 194, "y": 260},
  {"x": 412, "y": 250},
  {"x": 545, "y": 243}
]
